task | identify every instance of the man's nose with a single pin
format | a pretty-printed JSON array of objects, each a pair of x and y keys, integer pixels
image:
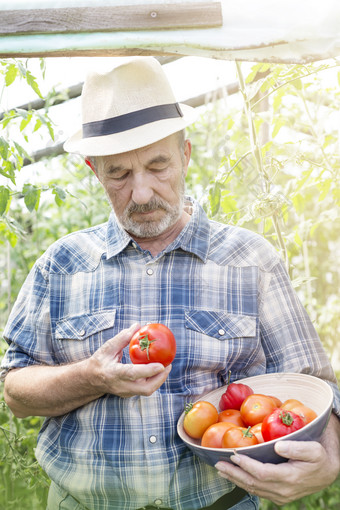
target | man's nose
[{"x": 142, "y": 191}]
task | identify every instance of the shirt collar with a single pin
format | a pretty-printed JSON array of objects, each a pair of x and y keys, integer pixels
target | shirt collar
[{"x": 194, "y": 238}]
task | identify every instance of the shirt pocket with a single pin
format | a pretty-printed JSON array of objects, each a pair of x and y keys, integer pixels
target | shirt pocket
[
  {"x": 78, "y": 337},
  {"x": 221, "y": 325},
  {"x": 216, "y": 342}
]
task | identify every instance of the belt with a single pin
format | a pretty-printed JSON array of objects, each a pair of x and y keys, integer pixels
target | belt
[{"x": 223, "y": 503}]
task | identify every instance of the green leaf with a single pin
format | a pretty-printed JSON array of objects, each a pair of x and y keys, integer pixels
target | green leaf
[
  {"x": 60, "y": 195},
  {"x": 324, "y": 187},
  {"x": 22, "y": 69},
  {"x": 33, "y": 84},
  {"x": 21, "y": 151},
  {"x": 11, "y": 74},
  {"x": 297, "y": 84},
  {"x": 31, "y": 196},
  {"x": 228, "y": 203},
  {"x": 25, "y": 121},
  {"x": 278, "y": 124},
  {"x": 4, "y": 148},
  {"x": 4, "y": 199},
  {"x": 38, "y": 125},
  {"x": 297, "y": 239}
]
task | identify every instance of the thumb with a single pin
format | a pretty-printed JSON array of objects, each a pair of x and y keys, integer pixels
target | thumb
[
  {"x": 305, "y": 451},
  {"x": 118, "y": 342}
]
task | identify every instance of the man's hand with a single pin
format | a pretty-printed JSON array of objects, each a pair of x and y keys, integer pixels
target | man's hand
[
  {"x": 43, "y": 390},
  {"x": 124, "y": 380},
  {"x": 311, "y": 467}
]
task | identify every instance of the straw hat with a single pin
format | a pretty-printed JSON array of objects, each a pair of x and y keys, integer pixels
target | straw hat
[{"x": 127, "y": 108}]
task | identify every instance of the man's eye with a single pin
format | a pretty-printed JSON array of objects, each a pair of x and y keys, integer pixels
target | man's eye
[
  {"x": 120, "y": 177},
  {"x": 158, "y": 169}
]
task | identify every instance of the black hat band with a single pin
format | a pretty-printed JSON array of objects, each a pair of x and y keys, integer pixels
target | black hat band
[{"x": 131, "y": 120}]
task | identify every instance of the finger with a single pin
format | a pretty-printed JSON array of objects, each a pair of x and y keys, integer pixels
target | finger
[
  {"x": 305, "y": 451},
  {"x": 260, "y": 482},
  {"x": 116, "y": 344},
  {"x": 145, "y": 385},
  {"x": 143, "y": 371},
  {"x": 243, "y": 465},
  {"x": 153, "y": 383}
]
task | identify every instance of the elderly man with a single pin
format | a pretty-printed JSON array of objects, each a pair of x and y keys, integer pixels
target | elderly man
[{"x": 109, "y": 440}]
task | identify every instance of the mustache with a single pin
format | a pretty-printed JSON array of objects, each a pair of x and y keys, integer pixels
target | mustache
[{"x": 155, "y": 203}]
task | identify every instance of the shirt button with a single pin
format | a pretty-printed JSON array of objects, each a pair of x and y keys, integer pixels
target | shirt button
[
  {"x": 221, "y": 332},
  {"x": 82, "y": 332},
  {"x": 158, "y": 502},
  {"x": 149, "y": 271},
  {"x": 152, "y": 439}
]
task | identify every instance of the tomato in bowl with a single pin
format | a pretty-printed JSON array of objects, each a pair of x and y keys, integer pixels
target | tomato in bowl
[{"x": 312, "y": 391}]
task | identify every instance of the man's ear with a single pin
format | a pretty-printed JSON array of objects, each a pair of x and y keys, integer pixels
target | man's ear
[
  {"x": 91, "y": 165},
  {"x": 187, "y": 154}
]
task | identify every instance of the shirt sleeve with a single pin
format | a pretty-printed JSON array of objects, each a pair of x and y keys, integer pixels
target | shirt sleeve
[
  {"x": 289, "y": 339},
  {"x": 28, "y": 330}
]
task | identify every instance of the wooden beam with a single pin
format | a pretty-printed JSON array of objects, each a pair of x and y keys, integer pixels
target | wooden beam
[
  {"x": 111, "y": 18},
  {"x": 121, "y": 52}
]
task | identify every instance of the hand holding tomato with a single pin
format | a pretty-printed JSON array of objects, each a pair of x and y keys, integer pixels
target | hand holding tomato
[
  {"x": 311, "y": 467},
  {"x": 106, "y": 373},
  {"x": 153, "y": 343}
]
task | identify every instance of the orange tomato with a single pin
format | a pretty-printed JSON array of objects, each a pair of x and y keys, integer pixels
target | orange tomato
[
  {"x": 237, "y": 437},
  {"x": 212, "y": 437},
  {"x": 199, "y": 417},
  {"x": 277, "y": 401},
  {"x": 256, "y": 430},
  {"x": 290, "y": 403},
  {"x": 306, "y": 413},
  {"x": 232, "y": 416},
  {"x": 255, "y": 408}
]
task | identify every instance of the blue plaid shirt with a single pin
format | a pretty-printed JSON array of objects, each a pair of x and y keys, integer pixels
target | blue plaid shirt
[{"x": 224, "y": 293}]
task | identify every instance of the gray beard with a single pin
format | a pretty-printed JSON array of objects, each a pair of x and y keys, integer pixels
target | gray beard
[{"x": 148, "y": 229}]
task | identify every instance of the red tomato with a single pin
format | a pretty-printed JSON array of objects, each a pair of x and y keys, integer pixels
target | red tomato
[
  {"x": 212, "y": 437},
  {"x": 199, "y": 417},
  {"x": 256, "y": 430},
  {"x": 237, "y": 437},
  {"x": 280, "y": 423},
  {"x": 232, "y": 416},
  {"x": 234, "y": 395},
  {"x": 153, "y": 343},
  {"x": 255, "y": 408},
  {"x": 290, "y": 403},
  {"x": 306, "y": 413}
]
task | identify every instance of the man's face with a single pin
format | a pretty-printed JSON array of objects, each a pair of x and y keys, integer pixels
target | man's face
[{"x": 146, "y": 186}]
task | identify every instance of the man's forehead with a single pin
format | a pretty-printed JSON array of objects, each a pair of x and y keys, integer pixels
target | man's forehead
[{"x": 164, "y": 147}]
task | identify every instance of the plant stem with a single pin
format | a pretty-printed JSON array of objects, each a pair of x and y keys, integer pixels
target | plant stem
[{"x": 259, "y": 160}]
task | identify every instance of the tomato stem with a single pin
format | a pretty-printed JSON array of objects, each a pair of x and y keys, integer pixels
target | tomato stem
[
  {"x": 144, "y": 344},
  {"x": 188, "y": 407},
  {"x": 286, "y": 418},
  {"x": 247, "y": 433}
]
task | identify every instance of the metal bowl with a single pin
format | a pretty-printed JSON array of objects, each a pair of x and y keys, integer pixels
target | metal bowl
[{"x": 311, "y": 391}]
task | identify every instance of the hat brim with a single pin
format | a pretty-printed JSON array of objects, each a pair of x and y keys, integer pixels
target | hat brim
[{"x": 135, "y": 138}]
